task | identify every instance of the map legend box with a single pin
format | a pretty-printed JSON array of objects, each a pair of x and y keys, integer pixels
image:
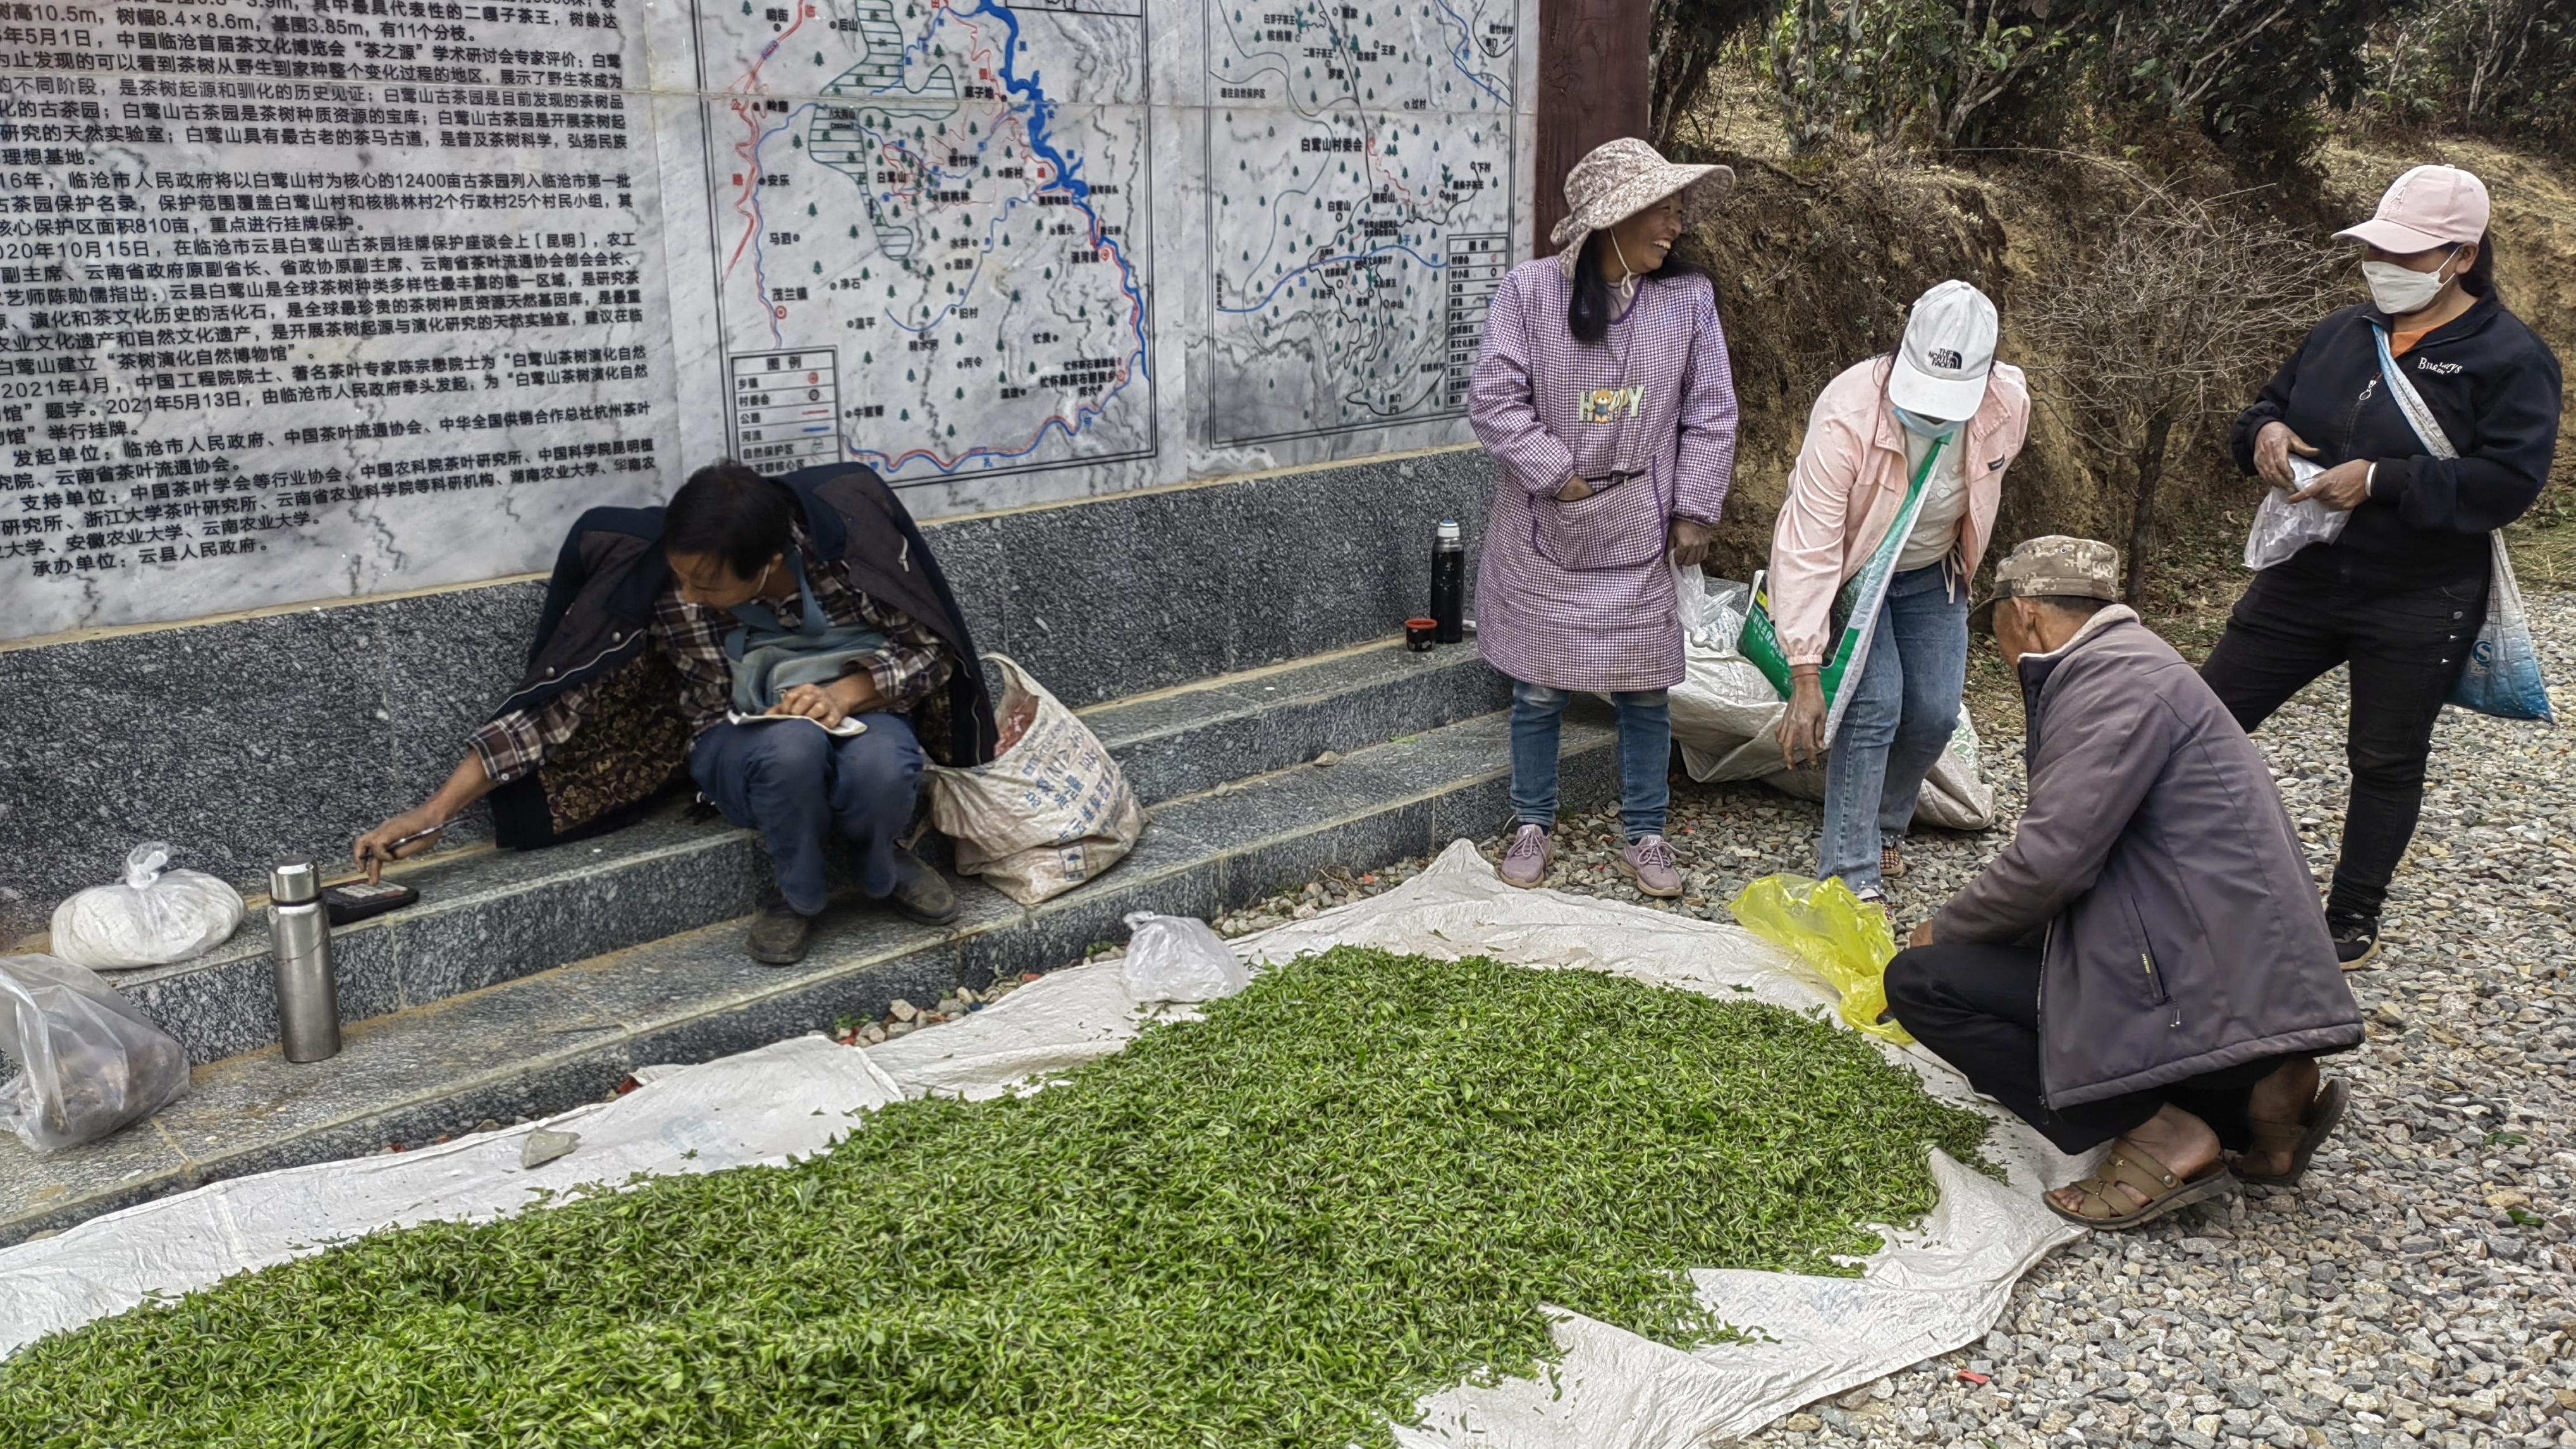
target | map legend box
[
  {"x": 1476, "y": 267},
  {"x": 785, "y": 408}
]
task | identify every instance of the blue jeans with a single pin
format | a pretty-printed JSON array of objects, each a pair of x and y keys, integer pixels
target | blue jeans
[
  {"x": 794, "y": 784},
  {"x": 1903, "y": 709},
  {"x": 1645, "y": 754}
]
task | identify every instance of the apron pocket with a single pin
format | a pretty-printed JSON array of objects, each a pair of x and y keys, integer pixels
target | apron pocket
[{"x": 1620, "y": 528}]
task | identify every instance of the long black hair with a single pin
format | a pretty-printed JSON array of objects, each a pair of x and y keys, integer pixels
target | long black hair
[
  {"x": 1587, "y": 316},
  {"x": 727, "y": 510}
]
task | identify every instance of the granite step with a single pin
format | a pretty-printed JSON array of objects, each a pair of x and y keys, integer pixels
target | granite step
[
  {"x": 552, "y": 1039},
  {"x": 488, "y": 916}
]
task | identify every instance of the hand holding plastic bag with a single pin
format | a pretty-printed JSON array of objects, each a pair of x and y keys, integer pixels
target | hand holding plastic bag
[
  {"x": 92, "y": 1061},
  {"x": 1173, "y": 958},
  {"x": 2282, "y": 528},
  {"x": 1848, "y": 943},
  {"x": 151, "y": 918}
]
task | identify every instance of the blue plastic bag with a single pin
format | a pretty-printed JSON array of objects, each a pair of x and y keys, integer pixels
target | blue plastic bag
[{"x": 2502, "y": 677}]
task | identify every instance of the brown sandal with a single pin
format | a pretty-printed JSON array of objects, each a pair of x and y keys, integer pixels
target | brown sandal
[
  {"x": 2130, "y": 1166},
  {"x": 1891, "y": 863},
  {"x": 2300, "y": 1139}
]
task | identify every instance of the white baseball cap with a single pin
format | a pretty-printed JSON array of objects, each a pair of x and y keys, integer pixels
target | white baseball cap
[{"x": 1948, "y": 349}]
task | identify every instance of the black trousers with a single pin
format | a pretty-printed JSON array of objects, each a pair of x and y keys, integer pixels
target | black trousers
[
  {"x": 2406, "y": 651},
  {"x": 1978, "y": 1008}
]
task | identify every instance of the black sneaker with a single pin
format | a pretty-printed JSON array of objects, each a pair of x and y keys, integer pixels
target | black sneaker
[
  {"x": 2356, "y": 940},
  {"x": 779, "y": 936}
]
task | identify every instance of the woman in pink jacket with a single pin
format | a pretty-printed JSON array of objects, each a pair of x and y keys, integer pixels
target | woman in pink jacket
[
  {"x": 1941, "y": 397},
  {"x": 1604, "y": 394}
]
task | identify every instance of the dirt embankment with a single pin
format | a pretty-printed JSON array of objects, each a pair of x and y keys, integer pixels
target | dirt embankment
[{"x": 1817, "y": 259}]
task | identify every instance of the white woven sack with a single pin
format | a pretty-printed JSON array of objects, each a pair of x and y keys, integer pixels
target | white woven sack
[{"x": 1049, "y": 813}]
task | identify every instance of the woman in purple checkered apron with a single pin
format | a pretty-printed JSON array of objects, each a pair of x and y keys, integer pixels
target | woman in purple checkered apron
[{"x": 1604, "y": 394}]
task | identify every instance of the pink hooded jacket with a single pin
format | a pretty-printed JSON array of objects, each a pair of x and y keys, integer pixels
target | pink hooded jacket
[{"x": 1849, "y": 484}]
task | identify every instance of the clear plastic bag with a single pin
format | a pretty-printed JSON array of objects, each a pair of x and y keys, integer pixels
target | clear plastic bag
[
  {"x": 2282, "y": 528},
  {"x": 1173, "y": 958},
  {"x": 91, "y": 1061},
  {"x": 151, "y": 918},
  {"x": 1847, "y": 942}
]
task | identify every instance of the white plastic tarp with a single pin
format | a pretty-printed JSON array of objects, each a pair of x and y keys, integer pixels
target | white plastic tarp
[{"x": 1929, "y": 1290}]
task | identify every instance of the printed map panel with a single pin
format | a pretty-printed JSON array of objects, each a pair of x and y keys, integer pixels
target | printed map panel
[
  {"x": 1361, "y": 176},
  {"x": 929, "y": 231}
]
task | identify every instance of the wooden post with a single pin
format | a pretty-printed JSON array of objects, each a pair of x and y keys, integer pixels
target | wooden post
[{"x": 1592, "y": 88}]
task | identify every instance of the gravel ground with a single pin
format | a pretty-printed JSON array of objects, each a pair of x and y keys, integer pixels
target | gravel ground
[{"x": 2417, "y": 1288}]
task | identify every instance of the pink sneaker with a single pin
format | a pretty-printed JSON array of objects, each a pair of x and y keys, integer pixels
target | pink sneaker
[
  {"x": 1526, "y": 859},
  {"x": 1650, "y": 862}
]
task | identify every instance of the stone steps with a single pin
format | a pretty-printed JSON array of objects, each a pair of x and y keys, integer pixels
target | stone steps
[
  {"x": 489, "y": 916},
  {"x": 547, "y": 1039}
]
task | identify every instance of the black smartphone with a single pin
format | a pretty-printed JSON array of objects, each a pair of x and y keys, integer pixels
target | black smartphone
[{"x": 357, "y": 900}]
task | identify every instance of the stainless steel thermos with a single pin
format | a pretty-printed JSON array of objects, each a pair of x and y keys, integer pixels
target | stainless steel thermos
[
  {"x": 1449, "y": 583},
  {"x": 308, "y": 1000}
]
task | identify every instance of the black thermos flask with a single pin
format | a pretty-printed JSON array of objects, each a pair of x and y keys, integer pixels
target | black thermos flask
[{"x": 1449, "y": 582}]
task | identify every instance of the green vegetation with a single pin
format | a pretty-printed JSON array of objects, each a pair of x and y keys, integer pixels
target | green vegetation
[{"x": 1351, "y": 1185}]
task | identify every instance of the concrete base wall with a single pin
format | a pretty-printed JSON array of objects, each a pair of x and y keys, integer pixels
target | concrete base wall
[{"x": 247, "y": 739}]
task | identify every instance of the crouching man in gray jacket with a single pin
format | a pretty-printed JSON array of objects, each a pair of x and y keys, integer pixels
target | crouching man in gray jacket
[{"x": 2146, "y": 960}]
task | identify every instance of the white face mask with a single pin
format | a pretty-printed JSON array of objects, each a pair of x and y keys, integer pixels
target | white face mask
[{"x": 2398, "y": 290}]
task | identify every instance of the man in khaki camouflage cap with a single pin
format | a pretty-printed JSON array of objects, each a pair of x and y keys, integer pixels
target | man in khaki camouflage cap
[
  {"x": 2146, "y": 963},
  {"x": 2054, "y": 567}
]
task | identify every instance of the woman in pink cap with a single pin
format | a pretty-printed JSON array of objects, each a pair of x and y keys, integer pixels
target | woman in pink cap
[
  {"x": 1604, "y": 393},
  {"x": 2400, "y": 594}
]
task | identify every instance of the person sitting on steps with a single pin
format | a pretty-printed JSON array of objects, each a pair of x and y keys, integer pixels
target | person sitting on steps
[
  {"x": 2147, "y": 960},
  {"x": 810, "y": 595}
]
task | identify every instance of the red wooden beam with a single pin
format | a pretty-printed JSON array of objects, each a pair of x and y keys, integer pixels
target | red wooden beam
[{"x": 1591, "y": 88}]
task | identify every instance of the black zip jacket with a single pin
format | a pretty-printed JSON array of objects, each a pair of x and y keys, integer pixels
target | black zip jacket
[
  {"x": 2491, "y": 382},
  {"x": 630, "y": 741}
]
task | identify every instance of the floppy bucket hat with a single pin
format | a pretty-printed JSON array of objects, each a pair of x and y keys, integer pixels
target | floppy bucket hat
[
  {"x": 2428, "y": 207},
  {"x": 2052, "y": 566},
  {"x": 1617, "y": 179}
]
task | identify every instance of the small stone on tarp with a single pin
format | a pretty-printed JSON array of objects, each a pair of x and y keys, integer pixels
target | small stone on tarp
[{"x": 545, "y": 1145}]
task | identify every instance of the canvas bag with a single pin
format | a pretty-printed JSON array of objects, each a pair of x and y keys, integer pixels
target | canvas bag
[
  {"x": 2502, "y": 677},
  {"x": 1050, "y": 812},
  {"x": 1857, "y": 607}
]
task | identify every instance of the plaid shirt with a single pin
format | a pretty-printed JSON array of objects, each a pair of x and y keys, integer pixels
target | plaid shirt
[{"x": 912, "y": 664}]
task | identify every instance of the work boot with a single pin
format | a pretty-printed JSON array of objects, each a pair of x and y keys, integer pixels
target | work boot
[
  {"x": 920, "y": 893},
  {"x": 779, "y": 936},
  {"x": 1526, "y": 859},
  {"x": 2356, "y": 939},
  {"x": 1650, "y": 863}
]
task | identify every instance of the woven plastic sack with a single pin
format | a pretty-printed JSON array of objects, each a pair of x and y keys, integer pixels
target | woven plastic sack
[
  {"x": 1173, "y": 958},
  {"x": 151, "y": 918},
  {"x": 1846, "y": 941},
  {"x": 90, "y": 1060},
  {"x": 1050, "y": 812}
]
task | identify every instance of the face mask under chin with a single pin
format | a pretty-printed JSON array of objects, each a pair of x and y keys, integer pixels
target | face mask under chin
[{"x": 1923, "y": 427}]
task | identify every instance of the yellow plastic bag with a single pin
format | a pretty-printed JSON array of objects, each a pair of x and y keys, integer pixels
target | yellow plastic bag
[{"x": 1848, "y": 943}]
